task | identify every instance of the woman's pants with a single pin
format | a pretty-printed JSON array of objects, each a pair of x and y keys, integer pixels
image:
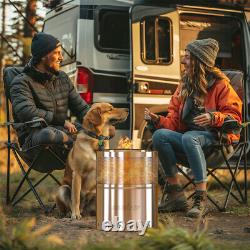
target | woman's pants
[{"x": 191, "y": 144}]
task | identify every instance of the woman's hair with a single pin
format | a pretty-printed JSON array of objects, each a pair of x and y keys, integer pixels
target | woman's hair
[{"x": 196, "y": 81}]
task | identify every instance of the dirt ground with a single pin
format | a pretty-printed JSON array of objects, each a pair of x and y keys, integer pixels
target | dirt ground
[{"x": 231, "y": 228}]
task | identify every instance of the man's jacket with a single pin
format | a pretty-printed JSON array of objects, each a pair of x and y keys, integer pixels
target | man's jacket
[
  {"x": 35, "y": 94},
  {"x": 221, "y": 100}
]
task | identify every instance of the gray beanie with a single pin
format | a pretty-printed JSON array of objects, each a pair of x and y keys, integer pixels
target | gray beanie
[{"x": 205, "y": 50}]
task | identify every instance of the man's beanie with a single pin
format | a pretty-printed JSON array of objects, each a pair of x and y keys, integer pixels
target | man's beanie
[
  {"x": 205, "y": 50},
  {"x": 42, "y": 44}
]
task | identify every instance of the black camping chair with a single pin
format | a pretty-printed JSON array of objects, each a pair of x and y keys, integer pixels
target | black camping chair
[
  {"x": 42, "y": 158},
  {"x": 223, "y": 156}
]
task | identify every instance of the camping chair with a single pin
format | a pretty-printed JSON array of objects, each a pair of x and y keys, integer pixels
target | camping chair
[
  {"x": 42, "y": 158},
  {"x": 223, "y": 156}
]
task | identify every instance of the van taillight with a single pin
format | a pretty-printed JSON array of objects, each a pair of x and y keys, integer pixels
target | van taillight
[{"x": 84, "y": 84}]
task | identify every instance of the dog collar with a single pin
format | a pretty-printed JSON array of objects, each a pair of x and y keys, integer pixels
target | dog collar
[{"x": 100, "y": 138}]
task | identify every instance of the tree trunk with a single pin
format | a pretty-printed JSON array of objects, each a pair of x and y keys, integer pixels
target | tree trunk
[{"x": 30, "y": 14}]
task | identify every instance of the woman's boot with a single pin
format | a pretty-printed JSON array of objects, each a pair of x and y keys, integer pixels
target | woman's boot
[
  {"x": 199, "y": 204},
  {"x": 173, "y": 200}
]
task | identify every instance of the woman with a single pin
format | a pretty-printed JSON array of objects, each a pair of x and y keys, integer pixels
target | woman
[{"x": 202, "y": 102}]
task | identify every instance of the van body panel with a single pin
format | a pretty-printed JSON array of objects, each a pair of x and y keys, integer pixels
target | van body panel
[{"x": 147, "y": 71}]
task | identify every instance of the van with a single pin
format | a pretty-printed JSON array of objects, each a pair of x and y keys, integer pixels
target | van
[{"x": 128, "y": 52}]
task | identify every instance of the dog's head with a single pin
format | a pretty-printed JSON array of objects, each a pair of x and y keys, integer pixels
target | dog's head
[{"x": 102, "y": 117}]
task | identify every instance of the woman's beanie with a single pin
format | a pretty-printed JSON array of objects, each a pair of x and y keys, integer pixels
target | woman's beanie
[
  {"x": 42, "y": 44},
  {"x": 205, "y": 50}
]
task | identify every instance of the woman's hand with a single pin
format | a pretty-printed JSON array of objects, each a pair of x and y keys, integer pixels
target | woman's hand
[
  {"x": 70, "y": 127},
  {"x": 150, "y": 116},
  {"x": 203, "y": 120}
]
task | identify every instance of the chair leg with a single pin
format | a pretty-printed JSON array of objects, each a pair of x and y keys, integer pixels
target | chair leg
[
  {"x": 230, "y": 190},
  {"x": 36, "y": 184},
  {"x": 234, "y": 181},
  {"x": 190, "y": 180},
  {"x": 28, "y": 180},
  {"x": 221, "y": 209},
  {"x": 29, "y": 190},
  {"x": 46, "y": 210},
  {"x": 8, "y": 177},
  {"x": 245, "y": 174},
  {"x": 25, "y": 175},
  {"x": 55, "y": 179},
  {"x": 20, "y": 185},
  {"x": 224, "y": 186}
]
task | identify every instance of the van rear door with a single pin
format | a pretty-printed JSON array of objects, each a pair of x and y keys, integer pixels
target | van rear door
[{"x": 155, "y": 63}]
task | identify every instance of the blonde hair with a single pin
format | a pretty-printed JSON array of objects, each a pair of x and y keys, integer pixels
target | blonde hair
[{"x": 196, "y": 81}]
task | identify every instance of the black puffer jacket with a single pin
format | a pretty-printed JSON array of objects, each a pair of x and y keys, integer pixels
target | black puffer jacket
[{"x": 35, "y": 94}]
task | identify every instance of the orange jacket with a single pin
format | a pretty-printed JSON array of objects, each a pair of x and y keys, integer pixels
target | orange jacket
[{"x": 221, "y": 100}]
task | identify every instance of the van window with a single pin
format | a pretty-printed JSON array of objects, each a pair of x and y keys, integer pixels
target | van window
[
  {"x": 113, "y": 31},
  {"x": 226, "y": 30},
  {"x": 64, "y": 27},
  {"x": 156, "y": 42}
]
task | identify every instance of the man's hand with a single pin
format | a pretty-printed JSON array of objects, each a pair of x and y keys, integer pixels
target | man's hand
[
  {"x": 150, "y": 116},
  {"x": 70, "y": 127},
  {"x": 203, "y": 120}
]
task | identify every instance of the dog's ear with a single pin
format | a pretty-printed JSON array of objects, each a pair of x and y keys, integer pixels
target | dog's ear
[{"x": 94, "y": 116}]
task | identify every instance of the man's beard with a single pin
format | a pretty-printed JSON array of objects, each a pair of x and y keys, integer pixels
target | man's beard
[{"x": 51, "y": 70}]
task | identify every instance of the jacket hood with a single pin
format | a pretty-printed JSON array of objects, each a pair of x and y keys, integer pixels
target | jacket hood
[{"x": 38, "y": 76}]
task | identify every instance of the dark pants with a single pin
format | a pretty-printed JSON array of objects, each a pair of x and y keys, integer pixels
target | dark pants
[
  {"x": 51, "y": 135},
  {"x": 59, "y": 139}
]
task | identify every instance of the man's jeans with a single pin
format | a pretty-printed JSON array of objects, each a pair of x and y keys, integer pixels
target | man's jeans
[{"x": 169, "y": 144}]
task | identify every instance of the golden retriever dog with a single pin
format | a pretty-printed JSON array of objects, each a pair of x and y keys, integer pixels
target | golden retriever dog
[{"x": 78, "y": 192}]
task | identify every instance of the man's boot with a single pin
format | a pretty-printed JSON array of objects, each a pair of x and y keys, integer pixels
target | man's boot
[
  {"x": 199, "y": 204},
  {"x": 173, "y": 200}
]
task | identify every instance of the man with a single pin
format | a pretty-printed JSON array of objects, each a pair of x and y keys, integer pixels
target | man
[{"x": 43, "y": 91}]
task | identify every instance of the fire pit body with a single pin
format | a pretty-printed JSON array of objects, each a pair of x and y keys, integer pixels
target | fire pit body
[{"x": 126, "y": 189}]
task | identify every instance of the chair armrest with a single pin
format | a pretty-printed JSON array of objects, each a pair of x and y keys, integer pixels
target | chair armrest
[
  {"x": 231, "y": 126},
  {"x": 36, "y": 122},
  {"x": 151, "y": 126}
]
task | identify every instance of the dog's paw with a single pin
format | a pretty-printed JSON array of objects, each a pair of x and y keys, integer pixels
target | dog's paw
[{"x": 76, "y": 216}]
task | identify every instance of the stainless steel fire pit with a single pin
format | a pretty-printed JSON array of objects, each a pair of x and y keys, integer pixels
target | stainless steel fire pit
[{"x": 126, "y": 189}]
